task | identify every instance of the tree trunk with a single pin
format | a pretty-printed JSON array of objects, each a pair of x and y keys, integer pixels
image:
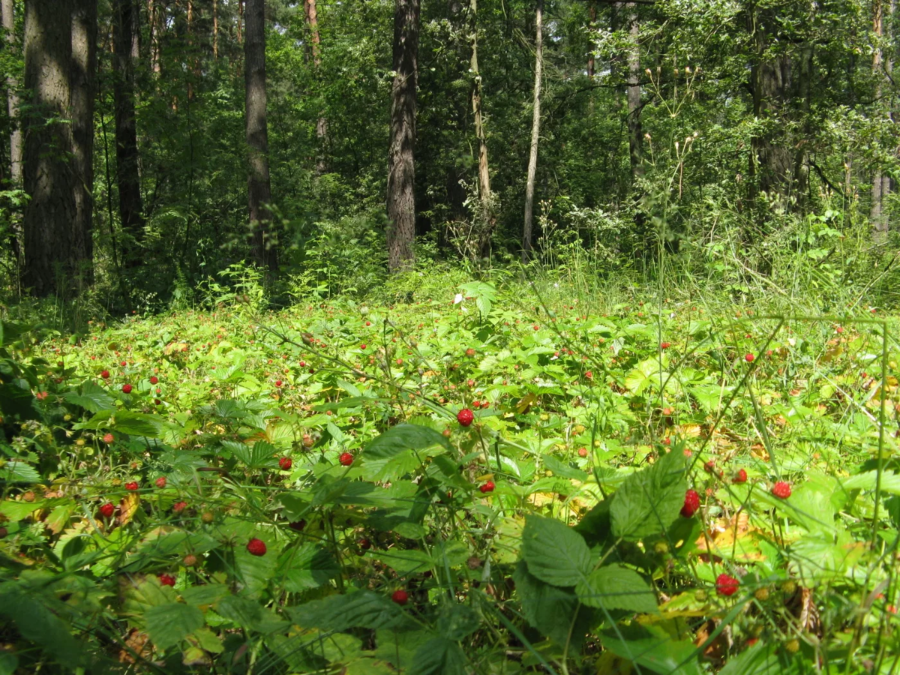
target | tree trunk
[
  {"x": 154, "y": 24},
  {"x": 592, "y": 14},
  {"x": 215, "y": 9},
  {"x": 51, "y": 262},
  {"x": 633, "y": 98},
  {"x": 131, "y": 209},
  {"x": 535, "y": 131},
  {"x": 312, "y": 22},
  {"x": 401, "y": 200},
  {"x": 82, "y": 97},
  {"x": 240, "y": 22},
  {"x": 882, "y": 66},
  {"x": 486, "y": 198},
  {"x": 259, "y": 189},
  {"x": 12, "y": 98}
]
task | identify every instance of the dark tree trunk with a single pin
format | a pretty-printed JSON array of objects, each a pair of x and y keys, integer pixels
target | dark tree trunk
[
  {"x": 259, "y": 189},
  {"x": 312, "y": 22},
  {"x": 535, "y": 132},
  {"x": 131, "y": 209},
  {"x": 52, "y": 264},
  {"x": 15, "y": 134},
  {"x": 82, "y": 97},
  {"x": 401, "y": 201},
  {"x": 633, "y": 97}
]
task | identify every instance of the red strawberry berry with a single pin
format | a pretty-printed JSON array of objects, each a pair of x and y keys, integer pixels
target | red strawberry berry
[
  {"x": 278, "y": 383},
  {"x": 749, "y": 358},
  {"x": 470, "y": 352},
  {"x": 362, "y": 346},
  {"x": 297, "y": 525},
  {"x": 256, "y": 547},
  {"x": 691, "y": 503},
  {"x": 285, "y": 463},
  {"x": 105, "y": 374},
  {"x": 123, "y": 364},
  {"x": 665, "y": 345},
  {"x": 401, "y": 597},
  {"x": 346, "y": 459},
  {"x": 465, "y": 417},
  {"x": 487, "y": 487},
  {"x": 161, "y": 482},
  {"x": 740, "y": 476},
  {"x": 108, "y": 438},
  {"x": 126, "y": 388},
  {"x": 154, "y": 379},
  {"x": 166, "y": 579},
  {"x": 582, "y": 452},
  {"x": 178, "y": 507},
  {"x": 132, "y": 486},
  {"x": 710, "y": 466},
  {"x": 365, "y": 544},
  {"x": 727, "y": 585},
  {"x": 781, "y": 490},
  {"x": 107, "y": 510},
  {"x": 156, "y": 401},
  {"x": 589, "y": 375}
]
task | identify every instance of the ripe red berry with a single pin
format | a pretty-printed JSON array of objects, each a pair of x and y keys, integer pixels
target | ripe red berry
[
  {"x": 691, "y": 503},
  {"x": 589, "y": 375},
  {"x": 582, "y": 452},
  {"x": 105, "y": 374},
  {"x": 401, "y": 597},
  {"x": 132, "y": 486},
  {"x": 126, "y": 388},
  {"x": 781, "y": 490},
  {"x": 710, "y": 466},
  {"x": 107, "y": 510},
  {"x": 161, "y": 482},
  {"x": 178, "y": 507},
  {"x": 665, "y": 345},
  {"x": 487, "y": 487},
  {"x": 362, "y": 346},
  {"x": 189, "y": 560},
  {"x": 465, "y": 417},
  {"x": 278, "y": 383},
  {"x": 154, "y": 379},
  {"x": 156, "y": 401},
  {"x": 667, "y": 441},
  {"x": 727, "y": 585},
  {"x": 108, "y": 438},
  {"x": 285, "y": 463},
  {"x": 297, "y": 525},
  {"x": 166, "y": 579},
  {"x": 123, "y": 364},
  {"x": 470, "y": 352},
  {"x": 365, "y": 544},
  {"x": 346, "y": 459},
  {"x": 256, "y": 547},
  {"x": 740, "y": 476},
  {"x": 749, "y": 358}
]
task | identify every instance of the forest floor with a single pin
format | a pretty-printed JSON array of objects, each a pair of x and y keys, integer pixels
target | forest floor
[{"x": 465, "y": 484}]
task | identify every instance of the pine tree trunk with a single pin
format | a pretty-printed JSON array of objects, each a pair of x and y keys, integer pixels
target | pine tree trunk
[
  {"x": 592, "y": 16},
  {"x": 154, "y": 25},
  {"x": 131, "y": 208},
  {"x": 82, "y": 97},
  {"x": 51, "y": 263},
  {"x": 401, "y": 200},
  {"x": 312, "y": 22},
  {"x": 882, "y": 66},
  {"x": 535, "y": 132},
  {"x": 259, "y": 189},
  {"x": 215, "y": 9}
]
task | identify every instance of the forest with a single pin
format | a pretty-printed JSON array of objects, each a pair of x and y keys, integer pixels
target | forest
[{"x": 449, "y": 337}]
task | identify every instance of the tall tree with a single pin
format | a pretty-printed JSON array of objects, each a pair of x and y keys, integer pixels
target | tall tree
[
  {"x": 486, "y": 198},
  {"x": 52, "y": 263},
  {"x": 633, "y": 96},
  {"x": 131, "y": 209},
  {"x": 12, "y": 96},
  {"x": 259, "y": 187},
  {"x": 882, "y": 65},
  {"x": 312, "y": 23},
  {"x": 82, "y": 97},
  {"x": 535, "y": 131},
  {"x": 401, "y": 198}
]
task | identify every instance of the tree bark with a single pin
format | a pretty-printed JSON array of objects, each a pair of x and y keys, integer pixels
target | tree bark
[
  {"x": 154, "y": 24},
  {"x": 131, "y": 208},
  {"x": 592, "y": 20},
  {"x": 535, "y": 132},
  {"x": 12, "y": 98},
  {"x": 486, "y": 198},
  {"x": 633, "y": 98},
  {"x": 82, "y": 97},
  {"x": 259, "y": 189},
  {"x": 401, "y": 200},
  {"x": 215, "y": 9},
  {"x": 51, "y": 262},
  {"x": 882, "y": 66},
  {"x": 312, "y": 22}
]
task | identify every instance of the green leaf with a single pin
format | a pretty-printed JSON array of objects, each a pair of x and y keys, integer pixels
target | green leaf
[
  {"x": 404, "y": 562},
  {"x": 38, "y": 624},
  {"x": 404, "y": 437},
  {"x": 169, "y": 624},
  {"x": 136, "y": 424},
  {"x": 363, "y": 609},
  {"x": 310, "y": 566},
  {"x": 208, "y": 594},
  {"x": 553, "y": 611},
  {"x": 8, "y": 663},
  {"x": 19, "y": 472},
  {"x": 439, "y": 656},
  {"x": 617, "y": 587},
  {"x": 92, "y": 398},
  {"x": 457, "y": 621},
  {"x": 249, "y": 614},
  {"x": 555, "y": 553},
  {"x": 653, "y": 649},
  {"x": 649, "y": 500}
]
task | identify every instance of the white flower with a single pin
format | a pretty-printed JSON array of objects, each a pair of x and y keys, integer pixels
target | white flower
[{"x": 458, "y": 299}]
